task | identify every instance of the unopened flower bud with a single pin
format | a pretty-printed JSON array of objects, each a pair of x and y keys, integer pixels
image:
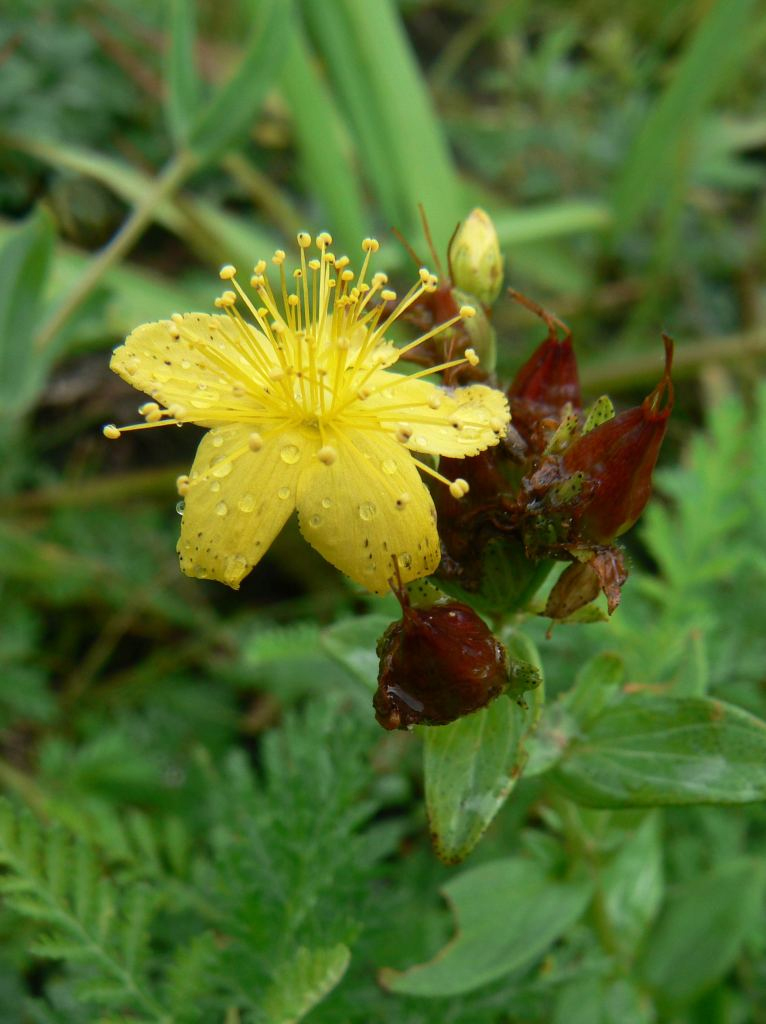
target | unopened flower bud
[
  {"x": 616, "y": 461},
  {"x": 475, "y": 260},
  {"x": 437, "y": 664}
]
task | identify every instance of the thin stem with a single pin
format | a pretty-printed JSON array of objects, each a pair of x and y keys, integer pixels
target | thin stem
[{"x": 171, "y": 178}]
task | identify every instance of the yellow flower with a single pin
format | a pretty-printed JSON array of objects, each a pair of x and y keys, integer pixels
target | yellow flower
[{"x": 305, "y": 412}]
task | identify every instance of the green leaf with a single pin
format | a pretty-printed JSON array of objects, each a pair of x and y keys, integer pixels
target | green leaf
[
  {"x": 352, "y": 643},
  {"x": 25, "y": 260},
  {"x": 595, "y": 685},
  {"x": 715, "y": 49},
  {"x": 700, "y": 934},
  {"x": 471, "y": 765},
  {"x": 401, "y": 142},
  {"x": 507, "y": 913},
  {"x": 327, "y": 158},
  {"x": 651, "y": 751},
  {"x": 227, "y": 118},
  {"x": 182, "y": 83},
  {"x": 633, "y": 884},
  {"x": 304, "y": 982}
]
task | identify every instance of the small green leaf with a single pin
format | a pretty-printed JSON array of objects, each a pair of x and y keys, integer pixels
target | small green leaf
[
  {"x": 702, "y": 929},
  {"x": 182, "y": 83},
  {"x": 229, "y": 115},
  {"x": 596, "y": 684},
  {"x": 651, "y": 751},
  {"x": 25, "y": 260},
  {"x": 507, "y": 913},
  {"x": 633, "y": 884},
  {"x": 471, "y": 765},
  {"x": 304, "y": 982},
  {"x": 352, "y": 642}
]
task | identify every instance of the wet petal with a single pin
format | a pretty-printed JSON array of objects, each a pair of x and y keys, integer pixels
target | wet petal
[
  {"x": 455, "y": 423},
  {"x": 203, "y": 364},
  {"x": 367, "y": 506},
  {"x": 239, "y": 499}
]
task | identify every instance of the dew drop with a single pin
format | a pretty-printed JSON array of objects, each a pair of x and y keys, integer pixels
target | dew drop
[
  {"x": 234, "y": 568},
  {"x": 217, "y": 440},
  {"x": 180, "y": 507},
  {"x": 326, "y": 502},
  {"x": 222, "y": 468},
  {"x": 185, "y": 364},
  {"x": 388, "y": 466},
  {"x": 290, "y": 454},
  {"x": 222, "y": 509},
  {"x": 215, "y": 486},
  {"x": 283, "y": 493},
  {"x": 246, "y": 503},
  {"x": 315, "y": 521},
  {"x": 421, "y": 442},
  {"x": 367, "y": 510}
]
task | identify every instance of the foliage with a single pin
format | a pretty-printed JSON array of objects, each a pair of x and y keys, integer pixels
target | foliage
[{"x": 202, "y": 820}]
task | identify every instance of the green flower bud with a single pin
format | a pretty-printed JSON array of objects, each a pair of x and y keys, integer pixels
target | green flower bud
[{"x": 475, "y": 260}]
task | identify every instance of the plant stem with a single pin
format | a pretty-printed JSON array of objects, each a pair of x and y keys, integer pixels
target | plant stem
[{"x": 174, "y": 173}]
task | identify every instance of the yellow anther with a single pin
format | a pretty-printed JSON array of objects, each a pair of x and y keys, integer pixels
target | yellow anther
[
  {"x": 425, "y": 275},
  {"x": 363, "y": 393},
  {"x": 370, "y": 245},
  {"x": 255, "y": 442},
  {"x": 257, "y": 281},
  {"x": 173, "y": 331},
  {"x": 279, "y": 257},
  {"x": 111, "y": 431},
  {"x": 379, "y": 278},
  {"x": 229, "y": 299},
  {"x": 314, "y": 264},
  {"x": 304, "y": 239},
  {"x": 404, "y": 499},
  {"x": 154, "y": 416},
  {"x": 347, "y": 275},
  {"x": 177, "y": 318},
  {"x": 293, "y": 300},
  {"x": 459, "y": 488},
  {"x": 434, "y": 401},
  {"x": 324, "y": 238},
  {"x": 177, "y": 411},
  {"x": 260, "y": 267},
  {"x": 227, "y": 273},
  {"x": 403, "y": 434},
  {"x": 327, "y": 454},
  {"x": 147, "y": 407},
  {"x": 467, "y": 312},
  {"x": 388, "y": 295},
  {"x": 341, "y": 262},
  {"x": 182, "y": 484},
  {"x": 470, "y": 354}
]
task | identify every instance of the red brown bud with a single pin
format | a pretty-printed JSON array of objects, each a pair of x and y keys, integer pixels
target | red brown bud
[
  {"x": 615, "y": 461},
  {"x": 546, "y": 383},
  {"x": 436, "y": 665}
]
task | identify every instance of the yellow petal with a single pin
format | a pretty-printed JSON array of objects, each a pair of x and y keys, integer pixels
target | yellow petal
[
  {"x": 200, "y": 363},
  {"x": 455, "y": 423},
  {"x": 366, "y": 507},
  {"x": 239, "y": 499}
]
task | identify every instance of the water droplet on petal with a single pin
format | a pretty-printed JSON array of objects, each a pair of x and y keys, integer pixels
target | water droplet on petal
[
  {"x": 388, "y": 466},
  {"x": 283, "y": 493},
  {"x": 290, "y": 454},
  {"x": 221, "y": 509},
  {"x": 215, "y": 487},
  {"x": 180, "y": 507},
  {"x": 222, "y": 468},
  {"x": 315, "y": 521},
  {"x": 367, "y": 510},
  {"x": 326, "y": 502},
  {"x": 246, "y": 503},
  {"x": 217, "y": 440},
  {"x": 234, "y": 568}
]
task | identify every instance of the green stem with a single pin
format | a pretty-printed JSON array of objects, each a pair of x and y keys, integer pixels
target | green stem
[{"x": 175, "y": 172}]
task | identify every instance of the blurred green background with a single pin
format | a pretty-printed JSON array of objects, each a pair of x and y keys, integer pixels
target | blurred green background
[{"x": 621, "y": 152}]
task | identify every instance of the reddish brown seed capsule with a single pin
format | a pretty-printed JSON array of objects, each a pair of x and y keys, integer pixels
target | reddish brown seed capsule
[
  {"x": 436, "y": 665},
  {"x": 616, "y": 460},
  {"x": 546, "y": 383}
]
